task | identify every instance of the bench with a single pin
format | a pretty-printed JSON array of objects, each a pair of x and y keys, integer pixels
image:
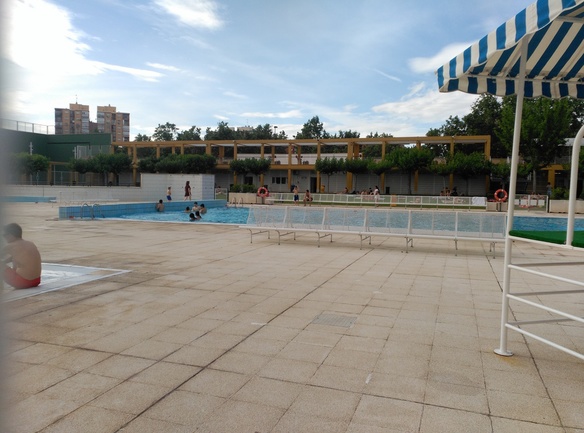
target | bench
[{"x": 368, "y": 223}]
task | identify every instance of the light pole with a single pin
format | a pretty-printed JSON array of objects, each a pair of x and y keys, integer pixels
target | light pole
[{"x": 276, "y": 131}]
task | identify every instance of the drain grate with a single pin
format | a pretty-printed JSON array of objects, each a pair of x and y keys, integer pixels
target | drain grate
[{"x": 334, "y": 320}]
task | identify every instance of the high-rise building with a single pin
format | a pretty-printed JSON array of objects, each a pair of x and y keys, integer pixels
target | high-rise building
[
  {"x": 75, "y": 120},
  {"x": 72, "y": 120},
  {"x": 110, "y": 121}
]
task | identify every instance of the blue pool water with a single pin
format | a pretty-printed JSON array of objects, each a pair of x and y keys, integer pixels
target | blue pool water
[
  {"x": 223, "y": 215},
  {"x": 229, "y": 215}
]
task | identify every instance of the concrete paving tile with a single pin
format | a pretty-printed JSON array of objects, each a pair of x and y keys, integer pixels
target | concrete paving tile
[
  {"x": 120, "y": 366},
  {"x": 178, "y": 335},
  {"x": 405, "y": 349},
  {"x": 570, "y": 413},
  {"x": 269, "y": 392},
  {"x": 388, "y": 413},
  {"x": 563, "y": 389},
  {"x": 80, "y": 388},
  {"x": 459, "y": 374},
  {"x": 301, "y": 422},
  {"x": 149, "y": 425},
  {"x": 291, "y": 322},
  {"x": 124, "y": 339},
  {"x": 317, "y": 338},
  {"x": 239, "y": 362},
  {"x": 340, "y": 378},
  {"x": 305, "y": 352},
  {"x": 504, "y": 425},
  {"x": 184, "y": 408},
  {"x": 77, "y": 360},
  {"x": 152, "y": 349},
  {"x": 361, "y": 330},
  {"x": 260, "y": 346},
  {"x": 403, "y": 366},
  {"x": 90, "y": 419},
  {"x": 456, "y": 355},
  {"x": 36, "y": 412},
  {"x": 235, "y": 416},
  {"x": 238, "y": 328},
  {"x": 131, "y": 397},
  {"x": 193, "y": 355},
  {"x": 217, "y": 383},
  {"x": 517, "y": 382},
  {"x": 35, "y": 378},
  {"x": 277, "y": 333},
  {"x": 522, "y": 407},
  {"x": 326, "y": 403},
  {"x": 395, "y": 386},
  {"x": 288, "y": 369},
  {"x": 364, "y": 428},
  {"x": 218, "y": 340},
  {"x": 165, "y": 374},
  {"x": 444, "y": 420},
  {"x": 455, "y": 396},
  {"x": 39, "y": 353},
  {"x": 351, "y": 359}
]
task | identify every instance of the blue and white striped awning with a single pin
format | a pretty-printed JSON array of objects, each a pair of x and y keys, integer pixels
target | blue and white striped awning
[{"x": 554, "y": 30}]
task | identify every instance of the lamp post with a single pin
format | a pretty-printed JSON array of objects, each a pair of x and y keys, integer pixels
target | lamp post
[{"x": 276, "y": 131}]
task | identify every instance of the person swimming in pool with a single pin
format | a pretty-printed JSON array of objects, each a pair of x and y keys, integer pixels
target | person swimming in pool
[
  {"x": 202, "y": 209},
  {"x": 25, "y": 258}
]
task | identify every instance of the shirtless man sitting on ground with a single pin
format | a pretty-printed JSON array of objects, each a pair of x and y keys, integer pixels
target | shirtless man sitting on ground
[{"x": 25, "y": 258}]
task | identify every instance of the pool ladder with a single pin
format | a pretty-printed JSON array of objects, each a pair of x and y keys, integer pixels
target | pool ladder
[
  {"x": 91, "y": 209},
  {"x": 235, "y": 202}
]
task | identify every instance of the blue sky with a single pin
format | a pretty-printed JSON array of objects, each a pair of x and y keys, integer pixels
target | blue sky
[{"x": 360, "y": 65}]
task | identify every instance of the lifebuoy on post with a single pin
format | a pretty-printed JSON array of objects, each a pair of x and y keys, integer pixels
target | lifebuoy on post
[
  {"x": 501, "y": 195},
  {"x": 263, "y": 191}
]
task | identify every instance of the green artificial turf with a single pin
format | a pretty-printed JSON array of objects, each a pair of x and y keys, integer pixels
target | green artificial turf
[{"x": 554, "y": 237}]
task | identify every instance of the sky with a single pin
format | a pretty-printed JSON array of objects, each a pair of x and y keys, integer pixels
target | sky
[{"x": 361, "y": 65}]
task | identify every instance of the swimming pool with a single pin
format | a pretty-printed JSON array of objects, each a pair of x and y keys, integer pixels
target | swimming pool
[
  {"x": 238, "y": 216},
  {"x": 221, "y": 215}
]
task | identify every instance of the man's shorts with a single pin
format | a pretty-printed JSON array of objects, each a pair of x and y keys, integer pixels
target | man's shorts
[{"x": 17, "y": 281}]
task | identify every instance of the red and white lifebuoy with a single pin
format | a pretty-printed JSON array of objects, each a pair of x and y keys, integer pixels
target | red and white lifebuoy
[
  {"x": 501, "y": 195},
  {"x": 263, "y": 191}
]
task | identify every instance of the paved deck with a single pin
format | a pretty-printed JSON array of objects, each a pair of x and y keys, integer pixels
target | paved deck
[{"x": 209, "y": 333}]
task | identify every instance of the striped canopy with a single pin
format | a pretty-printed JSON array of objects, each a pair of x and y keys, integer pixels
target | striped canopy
[{"x": 554, "y": 65}]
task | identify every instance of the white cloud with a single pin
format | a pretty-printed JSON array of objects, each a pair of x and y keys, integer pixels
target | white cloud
[
  {"x": 285, "y": 115},
  {"x": 430, "y": 106},
  {"x": 163, "y": 67},
  {"x": 234, "y": 95},
  {"x": 193, "y": 13},
  {"x": 431, "y": 64},
  {"x": 391, "y": 77}
]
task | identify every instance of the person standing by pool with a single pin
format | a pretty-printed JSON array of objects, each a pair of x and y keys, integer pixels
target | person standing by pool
[
  {"x": 25, "y": 258},
  {"x": 169, "y": 194},
  {"x": 376, "y": 195},
  {"x": 188, "y": 191},
  {"x": 296, "y": 196},
  {"x": 307, "y": 198}
]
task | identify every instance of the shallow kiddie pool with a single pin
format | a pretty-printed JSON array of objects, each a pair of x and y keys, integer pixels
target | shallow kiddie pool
[{"x": 217, "y": 215}]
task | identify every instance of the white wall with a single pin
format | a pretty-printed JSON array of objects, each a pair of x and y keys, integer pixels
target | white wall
[{"x": 152, "y": 188}]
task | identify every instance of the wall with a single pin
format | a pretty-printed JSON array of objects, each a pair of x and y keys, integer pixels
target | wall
[{"x": 153, "y": 188}]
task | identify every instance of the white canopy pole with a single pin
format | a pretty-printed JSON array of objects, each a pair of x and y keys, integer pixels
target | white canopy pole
[
  {"x": 573, "y": 185},
  {"x": 520, "y": 92}
]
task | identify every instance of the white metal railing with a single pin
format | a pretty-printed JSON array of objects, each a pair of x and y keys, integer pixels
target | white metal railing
[{"x": 400, "y": 222}]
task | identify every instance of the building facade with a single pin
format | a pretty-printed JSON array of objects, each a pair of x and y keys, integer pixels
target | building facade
[{"x": 76, "y": 120}]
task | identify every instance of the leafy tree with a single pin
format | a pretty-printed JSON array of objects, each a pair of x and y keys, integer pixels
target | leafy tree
[
  {"x": 483, "y": 119},
  {"x": 440, "y": 168},
  {"x": 166, "y": 132},
  {"x": 329, "y": 166},
  {"x": 148, "y": 164},
  {"x": 80, "y": 165},
  {"x": 237, "y": 167},
  {"x": 378, "y": 167},
  {"x": 314, "y": 128},
  {"x": 469, "y": 166},
  {"x": 27, "y": 164},
  {"x": 142, "y": 137},
  {"x": 172, "y": 163},
  {"x": 502, "y": 170},
  {"x": 118, "y": 163},
  {"x": 223, "y": 132},
  {"x": 545, "y": 126},
  {"x": 409, "y": 160},
  {"x": 193, "y": 133},
  {"x": 357, "y": 167},
  {"x": 258, "y": 166},
  {"x": 197, "y": 164}
]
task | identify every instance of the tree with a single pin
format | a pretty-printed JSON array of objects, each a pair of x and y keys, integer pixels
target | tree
[
  {"x": 544, "y": 128},
  {"x": 142, "y": 137},
  {"x": 469, "y": 166},
  {"x": 329, "y": 166},
  {"x": 502, "y": 171},
  {"x": 118, "y": 163},
  {"x": 223, "y": 132},
  {"x": 28, "y": 164},
  {"x": 483, "y": 119},
  {"x": 172, "y": 163},
  {"x": 166, "y": 132},
  {"x": 314, "y": 128},
  {"x": 197, "y": 164},
  {"x": 379, "y": 167},
  {"x": 409, "y": 160},
  {"x": 356, "y": 167},
  {"x": 237, "y": 167},
  {"x": 258, "y": 166},
  {"x": 193, "y": 133}
]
